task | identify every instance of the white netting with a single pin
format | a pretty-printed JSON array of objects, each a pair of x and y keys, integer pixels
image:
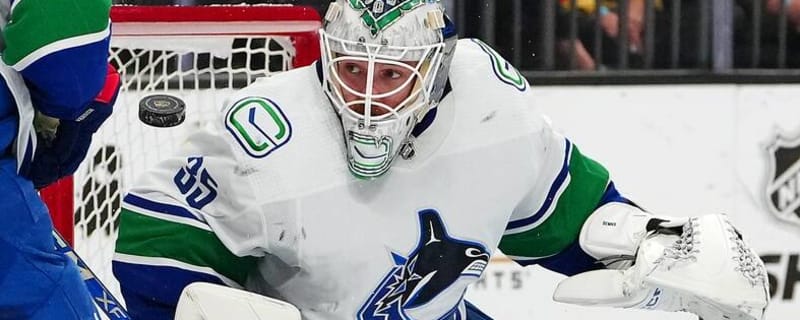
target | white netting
[{"x": 200, "y": 69}]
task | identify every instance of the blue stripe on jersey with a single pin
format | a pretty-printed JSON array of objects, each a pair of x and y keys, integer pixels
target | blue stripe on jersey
[
  {"x": 571, "y": 261},
  {"x": 142, "y": 307},
  {"x": 164, "y": 208},
  {"x": 551, "y": 194},
  {"x": 613, "y": 195},
  {"x": 153, "y": 286},
  {"x": 9, "y": 119},
  {"x": 63, "y": 83}
]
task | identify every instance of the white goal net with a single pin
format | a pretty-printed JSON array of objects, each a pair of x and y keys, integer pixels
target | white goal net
[{"x": 199, "y": 54}]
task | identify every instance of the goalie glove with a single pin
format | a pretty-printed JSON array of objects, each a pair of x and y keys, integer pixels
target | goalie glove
[{"x": 699, "y": 265}]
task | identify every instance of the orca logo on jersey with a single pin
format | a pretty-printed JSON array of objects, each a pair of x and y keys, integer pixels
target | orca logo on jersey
[
  {"x": 783, "y": 188},
  {"x": 432, "y": 267},
  {"x": 259, "y": 125}
]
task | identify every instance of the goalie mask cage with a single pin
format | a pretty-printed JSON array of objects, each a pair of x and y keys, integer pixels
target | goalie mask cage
[{"x": 200, "y": 54}]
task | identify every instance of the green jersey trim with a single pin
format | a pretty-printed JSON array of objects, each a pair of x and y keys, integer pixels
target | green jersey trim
[
  {"x": 586, "y": 185},
  {"x": 39, "y": 27},
  {"x": 165, "y": 262},
  {"x": 145, "y": 236}
]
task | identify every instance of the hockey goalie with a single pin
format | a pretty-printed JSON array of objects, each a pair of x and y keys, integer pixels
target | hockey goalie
[{"x": 378, "y": 182}]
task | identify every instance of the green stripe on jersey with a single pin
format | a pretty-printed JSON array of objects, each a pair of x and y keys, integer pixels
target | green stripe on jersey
[
  {"x": 37, "y": 23},
  {"x": 587, "y": 184},
  {"x": 142, "y": 235}
]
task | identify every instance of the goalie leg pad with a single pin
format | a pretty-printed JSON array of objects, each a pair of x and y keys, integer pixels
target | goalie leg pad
[{"x": 206, "y": 301}]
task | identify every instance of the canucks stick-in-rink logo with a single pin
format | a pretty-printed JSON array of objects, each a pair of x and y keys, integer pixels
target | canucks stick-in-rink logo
[
  {"x": 783, "y": 185},
  {"x": 259, "y": 125},
  {"x": 369, "y": 155},
  {"x": 504, "y": 71},
  {"x": 437, "y": 262}
]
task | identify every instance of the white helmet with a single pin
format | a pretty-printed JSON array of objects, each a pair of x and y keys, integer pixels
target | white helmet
[{"x": 365, "y": 36}]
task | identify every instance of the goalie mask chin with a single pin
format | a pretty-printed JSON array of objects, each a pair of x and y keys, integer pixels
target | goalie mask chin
[{"x": 361, "y": 40}]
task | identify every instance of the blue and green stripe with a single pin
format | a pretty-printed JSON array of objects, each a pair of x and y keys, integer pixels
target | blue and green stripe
[
  {"x": 148, "y": 237},
  {"x": 61, "y": 49},
  {"x": 586, "y": 182},
  {"x": 40, "y": 24}
]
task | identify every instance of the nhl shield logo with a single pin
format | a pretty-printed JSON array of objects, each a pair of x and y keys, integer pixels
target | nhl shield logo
[{"x": 783, "y": 185}]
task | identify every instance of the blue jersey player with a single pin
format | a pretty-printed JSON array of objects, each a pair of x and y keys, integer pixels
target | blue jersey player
[{"x": 54, "y": 69}]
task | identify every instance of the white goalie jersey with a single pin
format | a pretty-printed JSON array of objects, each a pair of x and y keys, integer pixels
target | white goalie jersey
[{"x": 266, "y": 202}]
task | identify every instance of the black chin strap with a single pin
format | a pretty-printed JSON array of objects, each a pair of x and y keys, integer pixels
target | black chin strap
[
  {"x": 427, "y": 120},
  {"x": 318, "y": 67}
]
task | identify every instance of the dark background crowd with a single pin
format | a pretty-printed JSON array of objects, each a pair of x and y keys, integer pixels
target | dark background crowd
[{"x": 618, "y": 34}]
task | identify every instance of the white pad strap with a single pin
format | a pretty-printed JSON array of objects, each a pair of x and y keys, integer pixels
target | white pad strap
[
  {"x": 615, "y": 230},
  {"x": 206, "y": 301}
]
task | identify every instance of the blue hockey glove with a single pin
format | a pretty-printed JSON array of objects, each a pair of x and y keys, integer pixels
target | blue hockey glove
[{"x": 61, "y": 150}]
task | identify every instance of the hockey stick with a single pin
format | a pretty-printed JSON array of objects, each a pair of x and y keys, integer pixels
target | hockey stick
[{"x": 100, "y": 294}]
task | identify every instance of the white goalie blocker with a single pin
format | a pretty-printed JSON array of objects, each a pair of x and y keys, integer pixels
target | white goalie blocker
[
  {"x": 206, "y": 301},
  {"x": 699, "y": 265}
]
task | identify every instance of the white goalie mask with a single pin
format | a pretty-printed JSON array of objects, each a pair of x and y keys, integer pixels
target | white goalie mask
[{"x": 384, "y": 67}]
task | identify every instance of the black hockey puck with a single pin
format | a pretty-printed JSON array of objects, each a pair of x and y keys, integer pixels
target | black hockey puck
[{"x": 162, "y": 110}]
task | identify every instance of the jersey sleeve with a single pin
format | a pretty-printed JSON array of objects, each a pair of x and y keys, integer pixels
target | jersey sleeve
[
  {"x": 191, "y": 218},
  {"x": 544, "y": 227},
  {"x": 61, "y": 50}
]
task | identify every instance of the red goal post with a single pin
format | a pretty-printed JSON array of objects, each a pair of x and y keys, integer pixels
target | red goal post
[
  {"x": 298, "y": 22},
  {"x": 200, "y": 54}
]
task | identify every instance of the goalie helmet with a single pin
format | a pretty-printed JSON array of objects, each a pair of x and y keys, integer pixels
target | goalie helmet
[{"x": 384, "y": 66}]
